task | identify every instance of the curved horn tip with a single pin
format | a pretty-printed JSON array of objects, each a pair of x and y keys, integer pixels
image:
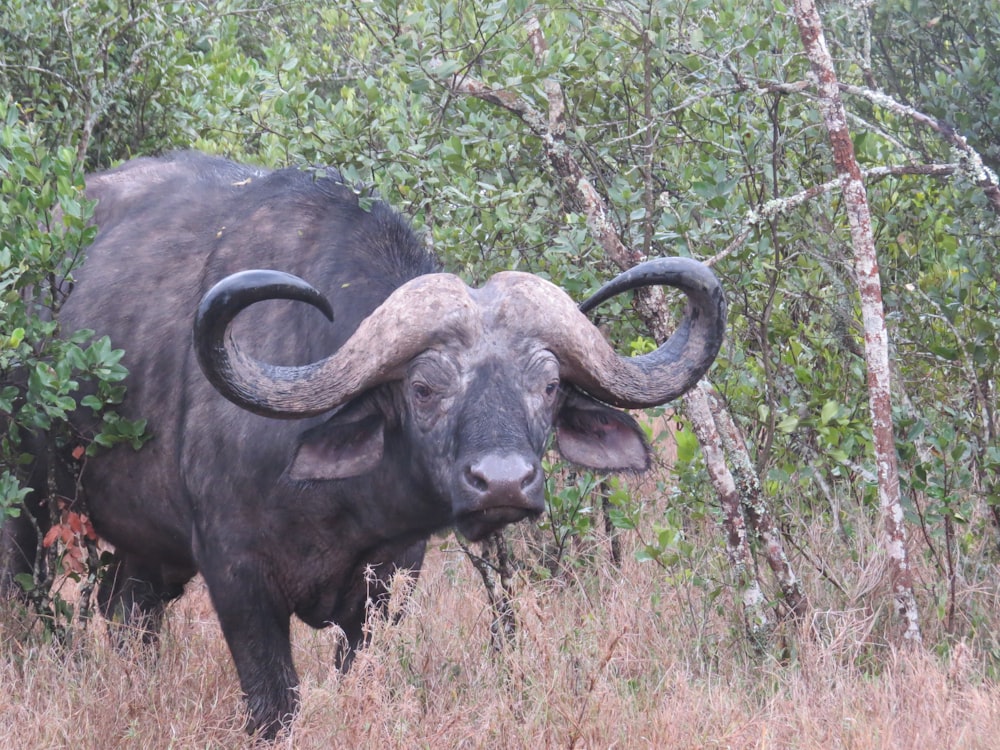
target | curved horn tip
[
  {"x": 680, "y": 361},
  {"x": 687, "y": 274},
  {"x": 243, "y": 288}
]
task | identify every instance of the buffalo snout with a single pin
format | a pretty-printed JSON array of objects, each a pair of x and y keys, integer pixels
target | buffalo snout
[{"x": 496, "y": 490}]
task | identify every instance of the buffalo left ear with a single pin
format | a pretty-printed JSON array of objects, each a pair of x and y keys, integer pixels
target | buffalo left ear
[
  {"x": 349, "y": 443},
  {"x": 596, "y": 436}
]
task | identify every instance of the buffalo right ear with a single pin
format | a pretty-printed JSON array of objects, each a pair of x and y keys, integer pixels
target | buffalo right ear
[
  {"x": 594, "y": 435},
  {"x": 347, "y": 444}
]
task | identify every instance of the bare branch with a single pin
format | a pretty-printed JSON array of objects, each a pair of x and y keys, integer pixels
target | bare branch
[
  {"x": 565, "y": 165},
  {"x": 970, "y": 161},
  {"x": 779, "y": 207}
]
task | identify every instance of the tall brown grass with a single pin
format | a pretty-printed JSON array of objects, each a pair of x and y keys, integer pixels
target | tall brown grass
[{"x": 605, "y": 657}]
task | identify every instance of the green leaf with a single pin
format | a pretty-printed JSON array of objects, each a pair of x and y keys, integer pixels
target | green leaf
[
  {"x": 830, "y": 410},
  {"x": 788, "y": 424}
]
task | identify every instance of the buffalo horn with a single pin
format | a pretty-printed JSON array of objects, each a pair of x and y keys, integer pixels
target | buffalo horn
[
  {"x": 393, "y": 334},
  {"x": 586, "y": 359}
]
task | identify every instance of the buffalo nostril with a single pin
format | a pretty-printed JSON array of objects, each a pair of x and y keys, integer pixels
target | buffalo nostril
[{"x": 476, "y": 480}]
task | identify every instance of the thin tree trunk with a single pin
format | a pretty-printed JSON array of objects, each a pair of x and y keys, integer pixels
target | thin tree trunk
[
  {"x": 756, "y": 510},
  {"x": 872, "y": 311},
  {"x": 755, "y": 618}
]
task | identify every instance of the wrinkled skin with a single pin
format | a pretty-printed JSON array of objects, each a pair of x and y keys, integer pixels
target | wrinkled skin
[{"x": 280, "y": 517}]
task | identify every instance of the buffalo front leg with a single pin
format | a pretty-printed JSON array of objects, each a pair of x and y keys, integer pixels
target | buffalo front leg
[
  {"x": 256, "y": 628},
  {"x": 368, "y": 592},
  {"x": 134, "y": 594}
]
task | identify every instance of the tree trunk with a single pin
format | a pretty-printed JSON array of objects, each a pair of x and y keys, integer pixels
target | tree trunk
[
  {"x": 756, "y": 510},
  {"x": 872, "y": 311},
  {"x": 755, "y": 618}
]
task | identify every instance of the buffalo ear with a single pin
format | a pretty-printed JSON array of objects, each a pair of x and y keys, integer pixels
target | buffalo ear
[
  {"x": 596, "y": 436},
  {"x": 349, "y": 443}
]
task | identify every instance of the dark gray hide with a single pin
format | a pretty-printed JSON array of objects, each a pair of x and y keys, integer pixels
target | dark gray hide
[{"x": 283, "y": 516}]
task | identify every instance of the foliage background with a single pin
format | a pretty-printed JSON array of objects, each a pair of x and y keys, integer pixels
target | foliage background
[{"x": 690, "y": 118}]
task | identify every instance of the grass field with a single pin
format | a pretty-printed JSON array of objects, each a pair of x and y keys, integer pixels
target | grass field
[{"x": 605, "y": 657}]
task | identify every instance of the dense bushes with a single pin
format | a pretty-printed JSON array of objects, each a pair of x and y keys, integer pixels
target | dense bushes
[{"x": 690, "y": 120}]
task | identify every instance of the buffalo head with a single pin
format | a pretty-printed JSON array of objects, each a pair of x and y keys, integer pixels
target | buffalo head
[{"x": 475, "y": 379}]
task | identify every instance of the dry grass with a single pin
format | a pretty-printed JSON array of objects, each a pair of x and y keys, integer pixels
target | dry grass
[{"x": 609, "y": 658}]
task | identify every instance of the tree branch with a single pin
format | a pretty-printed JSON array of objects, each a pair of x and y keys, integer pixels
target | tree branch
[
  {"x": 779, "y": 207},
  {"x": 970, "y": 162}
]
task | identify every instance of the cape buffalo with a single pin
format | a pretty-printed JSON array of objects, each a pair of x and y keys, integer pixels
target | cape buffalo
[{"x": 341, "y": 447}]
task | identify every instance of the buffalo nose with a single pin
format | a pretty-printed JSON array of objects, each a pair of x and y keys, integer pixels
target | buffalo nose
[{"x": 503, "y": 479}]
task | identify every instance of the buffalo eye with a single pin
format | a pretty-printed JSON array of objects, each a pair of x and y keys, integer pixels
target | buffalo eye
[{"x": 422, "y": 393}]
